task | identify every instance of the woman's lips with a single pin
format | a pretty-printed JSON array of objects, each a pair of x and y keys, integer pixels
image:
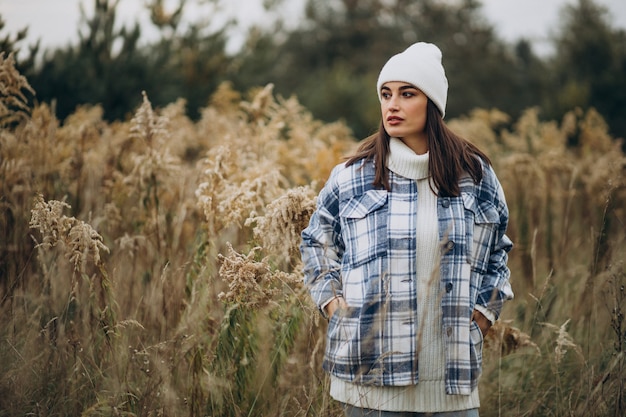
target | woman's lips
[{"x": 394, "y": 120}]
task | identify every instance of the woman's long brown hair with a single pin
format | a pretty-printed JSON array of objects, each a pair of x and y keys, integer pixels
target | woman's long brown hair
[{"x": 450, "y": 155}]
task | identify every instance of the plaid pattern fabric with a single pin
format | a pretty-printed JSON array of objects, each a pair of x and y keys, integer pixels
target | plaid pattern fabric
[{"x": 360, "y": 244}]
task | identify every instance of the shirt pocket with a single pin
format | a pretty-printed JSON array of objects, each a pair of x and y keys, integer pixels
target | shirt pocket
[
  {"x": 481, "y": 221},
  {"x": 476, "y": 351},
  {"x": 342, "y": 336},
  {"x": 364, "y": 227}
]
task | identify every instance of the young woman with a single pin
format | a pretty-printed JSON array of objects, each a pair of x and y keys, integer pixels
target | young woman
[{"x": 406, "y": 255}]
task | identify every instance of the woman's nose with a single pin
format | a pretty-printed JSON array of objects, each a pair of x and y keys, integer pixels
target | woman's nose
[{"x": 392, "y": 104}]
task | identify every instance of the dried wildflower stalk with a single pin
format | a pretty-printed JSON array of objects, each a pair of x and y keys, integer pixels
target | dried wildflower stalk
[
  {"x": 156, "y": 162},
  {"x": 285, "y": 218},
  {"x": 564, "y": 341},
  {"x": 249, "y": 282},
  {"x": 235, "y": 184},
  {"x": 80, "y": 239},
  {"x": 146, "y": 125},
  {"x": 506, "y": 339},
  {"x": 13, "y": 103},
  {"x": 260, "y": 151}
]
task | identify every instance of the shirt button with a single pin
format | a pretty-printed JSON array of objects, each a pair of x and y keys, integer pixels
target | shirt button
[
  {"x": 445, "y": 202},
  {"x": 448, "y": 287},
  {"x": 449, "y": 331},
  {"x": 450, "y": 245}
]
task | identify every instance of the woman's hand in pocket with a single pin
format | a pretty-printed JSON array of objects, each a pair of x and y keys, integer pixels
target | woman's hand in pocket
[
  {"x": 334, "y": 305},
  {"x": 483, "y": 322}
]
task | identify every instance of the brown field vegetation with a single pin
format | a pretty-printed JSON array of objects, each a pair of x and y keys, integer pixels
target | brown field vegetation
[{"x": 151, "y": 267}]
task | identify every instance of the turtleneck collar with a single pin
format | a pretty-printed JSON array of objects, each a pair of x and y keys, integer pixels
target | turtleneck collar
[{"x": 403, "y": 161}]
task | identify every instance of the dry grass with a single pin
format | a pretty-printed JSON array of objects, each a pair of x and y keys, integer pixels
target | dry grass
[{"x": 150, "y": 267}]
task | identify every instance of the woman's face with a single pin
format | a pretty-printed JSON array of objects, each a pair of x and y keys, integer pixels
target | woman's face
[{"x": 403, "y": 108}]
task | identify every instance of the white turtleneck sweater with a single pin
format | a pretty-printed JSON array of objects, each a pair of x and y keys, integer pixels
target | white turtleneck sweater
[{"x": 429, "y": 394}]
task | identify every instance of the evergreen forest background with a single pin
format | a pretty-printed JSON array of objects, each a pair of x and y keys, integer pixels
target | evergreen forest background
[{"x": 331, "y": 60}]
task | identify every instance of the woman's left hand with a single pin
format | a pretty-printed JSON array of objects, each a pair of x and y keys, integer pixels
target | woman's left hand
[{"x": 483, "y": 322}]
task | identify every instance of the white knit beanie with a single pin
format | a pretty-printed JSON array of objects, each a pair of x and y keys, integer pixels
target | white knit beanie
[{"x": 420, "y": 65}]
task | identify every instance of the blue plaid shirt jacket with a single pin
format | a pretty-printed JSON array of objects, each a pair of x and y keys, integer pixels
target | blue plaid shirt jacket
[{"x": 360, "y": 244}]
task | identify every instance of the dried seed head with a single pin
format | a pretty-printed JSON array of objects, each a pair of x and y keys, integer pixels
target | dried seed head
[{"x": 79, "y": 238}]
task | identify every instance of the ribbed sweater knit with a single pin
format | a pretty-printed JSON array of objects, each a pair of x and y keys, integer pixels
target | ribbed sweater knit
[{"x": 429, "y": 394}]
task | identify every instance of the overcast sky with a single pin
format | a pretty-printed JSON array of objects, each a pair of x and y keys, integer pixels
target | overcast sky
[{"x": 55, "y": 22}]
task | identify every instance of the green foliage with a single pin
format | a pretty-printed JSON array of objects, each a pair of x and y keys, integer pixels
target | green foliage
[
  {"x": 104, "y": 68},
  {"x": 12, "y": 44},
  {"x": 235, "y": 361},
  {"x": 331, "y": 59},
  {"x": 109, "y": 67},
  {"x": 589, "y": 65}
]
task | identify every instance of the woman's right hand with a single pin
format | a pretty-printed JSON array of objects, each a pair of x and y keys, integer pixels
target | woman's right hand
[{"x": 334, "y": 305}]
